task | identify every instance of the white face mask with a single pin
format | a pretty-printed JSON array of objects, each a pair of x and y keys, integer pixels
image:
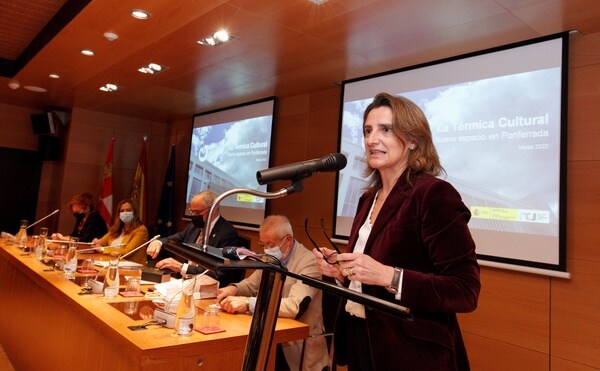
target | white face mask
[
  {"x": 274, "y": 252},
  {"x": 126, "y": 216}
]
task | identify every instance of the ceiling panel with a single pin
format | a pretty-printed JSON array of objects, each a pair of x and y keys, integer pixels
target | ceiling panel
[{"x": 282, "y": 48}]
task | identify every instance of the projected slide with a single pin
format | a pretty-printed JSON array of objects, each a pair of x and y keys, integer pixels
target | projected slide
[
  {"x": 227, "y": 154},
  {"x": 499, "y": 139}
]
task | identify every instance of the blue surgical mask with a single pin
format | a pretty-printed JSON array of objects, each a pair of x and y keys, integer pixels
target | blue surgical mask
[
  {"x": 126, "y": 216},
  {"x": 274, "y": 252}
]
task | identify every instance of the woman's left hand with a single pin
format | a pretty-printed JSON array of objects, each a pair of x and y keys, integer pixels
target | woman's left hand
[{"x": 365, "y": 269}]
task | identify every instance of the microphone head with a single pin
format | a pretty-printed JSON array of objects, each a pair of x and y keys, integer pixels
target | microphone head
[
  {"x": 335, "y": 162},
  {"x": 230, "y": 252}
]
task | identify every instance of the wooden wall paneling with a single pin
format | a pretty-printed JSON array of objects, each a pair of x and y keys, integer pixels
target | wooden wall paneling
[
  {"x": 583, "y": 221},
  {"x": 575, "y": 316},
  {"x": 490, "y": 354},
  {"x": 513, "y": 308},
  {"x": 584, "y": 113},
  {"x": 15, "y": 127}
]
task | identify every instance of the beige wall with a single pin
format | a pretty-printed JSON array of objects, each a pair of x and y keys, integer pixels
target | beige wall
[{"x": 524, "y": 321}]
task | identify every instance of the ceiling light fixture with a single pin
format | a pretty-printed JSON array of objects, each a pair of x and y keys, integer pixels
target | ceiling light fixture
[
  {"x": 139, "y": 14},
  {"x": 318, "y": 2},
  {"x": 216, "y": 39},
  {"x": 110, "y": 36},
  {"x": 14, "y": 85},
  {"x": 54, "y": 76},
  {"x": 87, "y": 52},
  {"x": 109, "y": 87},
  {"x": 37, "y": 89},
  {"x": 152, "y": 68}
]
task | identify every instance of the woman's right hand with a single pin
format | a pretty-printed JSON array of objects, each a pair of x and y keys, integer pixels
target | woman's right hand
[{"x": 327, "y": 269}]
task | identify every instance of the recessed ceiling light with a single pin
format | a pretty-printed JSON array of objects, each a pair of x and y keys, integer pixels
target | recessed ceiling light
[
  {"x": 14, "y": 85},
  {"x": 110, "y": 36},
  {"x": 216, "y": 39},
  {"x": 87, "y": 52},
  {"x": 152, "y": 68},
  {"x": 54, "y": 76},
  {"x": 36, "y": 89},
  {"x": 109, "y": 87},
  {"x": 318, "y": 2},
  {"x": 140, "y": 14}
]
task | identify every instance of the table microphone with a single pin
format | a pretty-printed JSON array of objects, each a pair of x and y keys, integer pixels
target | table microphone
[
  {"x": 44, "y": 218},
  {"x": 99, "y": 284},
  {"x": 139, "y": 247}
]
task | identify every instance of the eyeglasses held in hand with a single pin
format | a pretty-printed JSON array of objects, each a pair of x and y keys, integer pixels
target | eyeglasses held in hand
[{"x": 331, "y": 258}]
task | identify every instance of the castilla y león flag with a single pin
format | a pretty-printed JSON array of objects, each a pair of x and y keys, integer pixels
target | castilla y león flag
[{"x": 106, "y": 190}]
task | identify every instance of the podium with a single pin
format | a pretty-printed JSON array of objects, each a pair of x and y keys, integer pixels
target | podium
[{"x": 269, "y": 296}]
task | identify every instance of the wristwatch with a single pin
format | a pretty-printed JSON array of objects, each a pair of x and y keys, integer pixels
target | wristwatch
[{"x": 393, "y": 287}]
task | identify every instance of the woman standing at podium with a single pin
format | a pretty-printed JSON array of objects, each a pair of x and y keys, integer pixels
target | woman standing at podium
[{"x": 409, "y": 244}]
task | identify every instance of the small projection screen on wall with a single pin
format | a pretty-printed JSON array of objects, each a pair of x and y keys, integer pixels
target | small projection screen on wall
[
  {"x": 228, "y": 147},
  {"x": 498, "y": 119}
]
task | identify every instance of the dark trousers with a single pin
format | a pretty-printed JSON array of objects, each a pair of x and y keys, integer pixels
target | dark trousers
[{"x": 357, "y": 345}]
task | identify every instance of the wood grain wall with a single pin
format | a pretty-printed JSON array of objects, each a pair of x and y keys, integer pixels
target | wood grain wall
[{"x": 524, "y": 321}]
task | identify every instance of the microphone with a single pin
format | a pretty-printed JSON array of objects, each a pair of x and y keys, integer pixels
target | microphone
[
  {"x": 238, "y": 253},
  {"x": 301, "y": 170},
  {"x": 44, "y": 218}
]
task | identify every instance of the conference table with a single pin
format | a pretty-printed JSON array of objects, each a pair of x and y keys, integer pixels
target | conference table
[{"x": 48, "y": 324}]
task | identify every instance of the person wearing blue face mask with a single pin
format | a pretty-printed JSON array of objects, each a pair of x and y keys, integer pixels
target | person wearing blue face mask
[
  {"x": 125, "y": 234},
  {"x": 299, "y": 301},
  {"x": 221, "y": 234}
]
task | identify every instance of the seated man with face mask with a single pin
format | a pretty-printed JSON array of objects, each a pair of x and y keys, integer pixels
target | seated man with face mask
[
  {"x": 298, "y": 300},
  {"x": 222, "y": 234}
]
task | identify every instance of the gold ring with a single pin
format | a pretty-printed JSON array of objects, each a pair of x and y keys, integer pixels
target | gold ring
[{"x": 349, "y": 272}]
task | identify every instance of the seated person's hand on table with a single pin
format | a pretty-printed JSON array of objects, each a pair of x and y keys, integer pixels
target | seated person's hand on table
[
  {"x": 234, "y": 304},
  {"x": 226, "y": 291},
  {"x": 58, "y": 236},
  {"x": 169, "y": 263},
  {"x": 154, "y": 248}
]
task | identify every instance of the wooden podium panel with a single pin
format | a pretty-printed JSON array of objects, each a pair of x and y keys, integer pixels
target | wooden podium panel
[{"x": 46, "y": 324}]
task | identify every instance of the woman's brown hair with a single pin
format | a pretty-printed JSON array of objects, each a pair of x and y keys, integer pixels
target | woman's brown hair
[
  {"x": 409, "y": 124},
  {"x": 117, "y": 227}
]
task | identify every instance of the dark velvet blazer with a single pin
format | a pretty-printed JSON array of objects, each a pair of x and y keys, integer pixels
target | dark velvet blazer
[{"x": 421, "y": 228}]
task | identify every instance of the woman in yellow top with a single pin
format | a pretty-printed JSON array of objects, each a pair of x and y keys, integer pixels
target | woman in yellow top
[{"x": 126, "y": 233}]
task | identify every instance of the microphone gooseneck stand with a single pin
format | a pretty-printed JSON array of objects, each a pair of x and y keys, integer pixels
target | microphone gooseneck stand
[{"x": 273, "y": 277}]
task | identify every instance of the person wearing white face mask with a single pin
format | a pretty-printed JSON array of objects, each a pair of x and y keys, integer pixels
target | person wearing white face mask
[
  {"x": 299, "y": 301},
  {"x": 125, "y": 234}
]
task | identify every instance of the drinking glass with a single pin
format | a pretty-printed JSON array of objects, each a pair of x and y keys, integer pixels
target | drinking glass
[
  {"x": 133, "y": 286},
  {"x": 43, "y": 232},
  {"x": 59, "y": 256},
  {"x": 70, "y": 262},
  {"x": 211, "y": 320}
]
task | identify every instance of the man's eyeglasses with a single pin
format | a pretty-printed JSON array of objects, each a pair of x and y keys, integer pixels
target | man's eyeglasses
[
  {"x": 332, "y": 258},
  {"x": 199, "y": 212},
  {"x": 263, "y": 245}
]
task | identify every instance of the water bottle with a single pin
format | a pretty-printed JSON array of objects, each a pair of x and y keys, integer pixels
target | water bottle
[
  {"x": 186, "y": 312},
  {"x": 38, "y": 250},
  {"x": 21, "y": 236}
]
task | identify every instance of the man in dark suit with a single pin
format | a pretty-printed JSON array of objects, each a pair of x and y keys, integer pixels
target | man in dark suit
[{"x": 222, "y": 234}]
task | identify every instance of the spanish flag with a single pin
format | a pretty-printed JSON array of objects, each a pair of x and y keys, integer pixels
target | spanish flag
[
  {"x": 140, "y": 189},
  {"x": 105, "y": 205}
]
